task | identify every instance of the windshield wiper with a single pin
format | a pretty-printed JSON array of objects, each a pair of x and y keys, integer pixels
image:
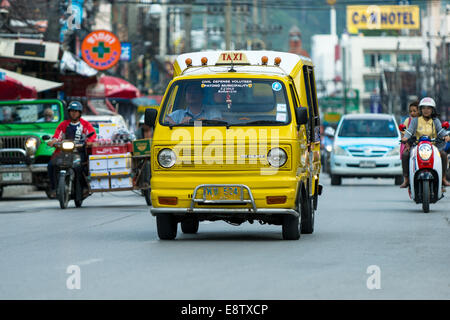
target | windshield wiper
[
  {"x": 263, "y": 122},
  {"x": 215, "y": 121}
]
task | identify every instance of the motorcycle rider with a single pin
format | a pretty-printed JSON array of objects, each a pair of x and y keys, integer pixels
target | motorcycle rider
[
  {"x": 427, "y": 124},
  {"x": 75, "y": 129}
]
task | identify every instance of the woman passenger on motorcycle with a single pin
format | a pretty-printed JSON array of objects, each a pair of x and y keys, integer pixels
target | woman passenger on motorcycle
[{"x": 427, "y": 124}]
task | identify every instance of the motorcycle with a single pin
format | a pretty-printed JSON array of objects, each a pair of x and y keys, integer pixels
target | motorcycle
[
  {"x": 71, "y": 178},
  {"x": 425, "y": 172}
]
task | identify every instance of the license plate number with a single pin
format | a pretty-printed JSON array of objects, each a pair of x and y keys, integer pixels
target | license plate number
[
  {"x": 12, "y": 176},
  {"x": 367, "y": 164},
  {"x": 228, "y": 193}
]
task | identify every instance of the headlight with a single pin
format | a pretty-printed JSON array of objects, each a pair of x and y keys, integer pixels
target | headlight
[
  {"x": 277, "y": 157},
  {"x": 394, "y": 152},
  {"x": 329, "y": 148},
  {"x": 425, "y": 151},
  {"x": 339, "y": 151},
  {"x": 166, "y": 158},
  {"x": 68, "y": 145},
  {"x": 30, "y": 145}
]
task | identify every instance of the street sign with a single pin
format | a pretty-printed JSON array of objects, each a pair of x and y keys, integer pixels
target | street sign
[
  {"x": 101, "y": 49},
  {"x": 126, "y": 52},
  {"x": 348, "y": 105}
]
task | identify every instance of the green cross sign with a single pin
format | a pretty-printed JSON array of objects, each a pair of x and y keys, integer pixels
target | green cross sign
[{"x": 100, "y": 50}]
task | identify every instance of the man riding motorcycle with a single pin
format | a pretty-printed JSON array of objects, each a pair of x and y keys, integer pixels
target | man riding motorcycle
[
  {"x": 75, "y": 129},
  {"x": 427, "y": 124}
]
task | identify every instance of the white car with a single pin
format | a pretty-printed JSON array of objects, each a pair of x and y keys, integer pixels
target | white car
[{"x": 366, "y": 145}]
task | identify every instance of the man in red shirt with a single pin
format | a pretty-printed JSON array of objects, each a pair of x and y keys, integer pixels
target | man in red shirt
[{"x": 75, "y": 129}]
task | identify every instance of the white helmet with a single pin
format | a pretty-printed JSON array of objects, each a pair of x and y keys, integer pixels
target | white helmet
[{"x": 427, "y": 101}]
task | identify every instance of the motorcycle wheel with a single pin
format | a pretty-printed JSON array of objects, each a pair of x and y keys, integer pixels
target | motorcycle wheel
[
  {"x": 63, "y": 191},
  {"x": 78, "y": 194},
  {"x": 426, "y": 196}
]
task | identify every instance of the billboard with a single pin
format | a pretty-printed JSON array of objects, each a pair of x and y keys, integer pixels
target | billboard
[{"x": 382, "y": 17}]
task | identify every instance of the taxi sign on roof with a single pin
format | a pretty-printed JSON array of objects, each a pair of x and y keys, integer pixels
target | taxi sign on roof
[{"x": 232, "y": 58}]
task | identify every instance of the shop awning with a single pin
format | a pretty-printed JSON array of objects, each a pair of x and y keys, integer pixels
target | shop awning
[{"x": 39, "y": 84}]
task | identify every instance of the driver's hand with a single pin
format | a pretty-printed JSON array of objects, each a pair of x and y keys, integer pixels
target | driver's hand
[
  {"x": 186, "y": 119},
  {"x": 404, "y": 140},
  {"x": 51, "y": 142},
  {"x": 447, "y": 138}
]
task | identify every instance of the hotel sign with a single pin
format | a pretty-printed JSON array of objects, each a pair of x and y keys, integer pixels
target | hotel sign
[{"x": 382, "y": 18}]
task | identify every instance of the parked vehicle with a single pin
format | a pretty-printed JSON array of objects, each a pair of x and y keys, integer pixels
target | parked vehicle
[
  {"x": 366, "y": 145},
  {"x": 327, "y": 148},
  {"x": 23, "y": 155}
]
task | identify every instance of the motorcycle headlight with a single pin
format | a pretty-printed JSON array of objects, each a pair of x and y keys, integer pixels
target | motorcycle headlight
[
  {"x": 167, "y": 158},
  {"x": 329, "y": 148},
  {"x": 277, "y": 157},
  {"x": 394, "y": 152},
  {"x": 339, "y": 151},
  {"x": 30, "y": 145},
  {"x": 425, "y": 151},
  {"x": 68, "y": 146}
]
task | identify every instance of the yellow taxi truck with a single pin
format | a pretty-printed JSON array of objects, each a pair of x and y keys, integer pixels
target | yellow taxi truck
[{"x": 236, "y": 139}]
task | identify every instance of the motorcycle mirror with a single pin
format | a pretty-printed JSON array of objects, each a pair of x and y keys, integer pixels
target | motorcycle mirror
[
  {"x": 401, "y": 127},
  {"x": 445, "y": 125},
  {"x": 46, "y": 137}
]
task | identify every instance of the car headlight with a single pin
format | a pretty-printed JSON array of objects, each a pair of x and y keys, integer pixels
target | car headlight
[
  {"x": 425, "y": 151},
  {"x": 277, "y": 157},
  {"x": 339, "y": 151},
  {"x": 30, "y": 145},
  {"x": 167, "y": 158},
  {"x": 394, "y": 152},
  {"x": 329, "y": 148},
  {"x": 68, "y": 146}
]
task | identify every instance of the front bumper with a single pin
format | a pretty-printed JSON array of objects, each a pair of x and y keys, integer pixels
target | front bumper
[
  {"x": 26, "y": 172},
  {"x": 351, "y": 166}
]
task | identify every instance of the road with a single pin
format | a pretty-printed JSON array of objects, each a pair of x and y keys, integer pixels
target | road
[{"x": 366, "y": 232}]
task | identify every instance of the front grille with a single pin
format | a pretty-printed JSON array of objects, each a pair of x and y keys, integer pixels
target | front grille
[
  {"x": 367, "y": 153},
  {"x": 13, "y": 142},
  {"x": 352, "y": 165}
]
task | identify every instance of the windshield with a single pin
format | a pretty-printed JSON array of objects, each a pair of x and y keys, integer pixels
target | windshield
[
  {"x": 226, "y": 102},
  {"x": 370, "y": 128},
  {"x": 29, "y": 113}
]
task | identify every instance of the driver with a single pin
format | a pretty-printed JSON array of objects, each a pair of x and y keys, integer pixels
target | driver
[
  {"x": 427, "y": 124},
  {"x": 75, "y": 129},
  {"x": 194, "y": 109}
]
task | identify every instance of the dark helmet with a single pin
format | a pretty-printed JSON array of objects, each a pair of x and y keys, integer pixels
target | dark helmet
[{"x": 75, "y": 105}]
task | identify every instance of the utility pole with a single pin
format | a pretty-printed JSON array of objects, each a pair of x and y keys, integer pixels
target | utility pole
[
  {"x": 163, "y": 30},
  {"x": 188, "y": 27},
  {"x": 228, "y": 25},
  {"x": 53, "y": 29}
]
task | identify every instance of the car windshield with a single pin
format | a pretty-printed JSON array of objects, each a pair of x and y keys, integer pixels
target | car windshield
[
  {"x": 226, "y": 102},
  {"x": 29, "y": 113},
  {"x": 370, "y": 128}
]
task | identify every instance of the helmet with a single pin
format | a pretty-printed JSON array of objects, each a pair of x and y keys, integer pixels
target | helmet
[
  {"x": 427, "y": 101},
  {"x": 75, "y": 105}
]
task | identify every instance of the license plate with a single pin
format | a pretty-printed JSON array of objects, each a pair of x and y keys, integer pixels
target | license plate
[
  {"x": 367, "y": 164},
  {"x": 12, "y": 176},
  {"x": 227, "y": 193}
]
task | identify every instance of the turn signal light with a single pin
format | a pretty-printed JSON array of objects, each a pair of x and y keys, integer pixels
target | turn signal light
[
  {"x": 276, "y": 199},
  {"x": 264, "y": 60},
  {"x": 277, "y": 61},
  {"x": 188, "y": 62},
  {"x": 171, "y": 201},
  {"x": 204, "y": 61}
]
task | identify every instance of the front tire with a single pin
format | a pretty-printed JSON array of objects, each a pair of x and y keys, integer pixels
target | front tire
[
  {"x": 307, "y": 212},
  {"x": 425, "y": 196},
  {"x": 190, "y": 225},
  {"x": 167, "y": 226},
  {"x": 291, "y": 228},
  {"x": 336, "y": 180},
  {"x": 63, "y": 190}
]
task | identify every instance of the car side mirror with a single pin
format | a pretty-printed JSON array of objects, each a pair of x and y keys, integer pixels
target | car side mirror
[
  {"x": 150, "y": 117},
  {"x": 301, "y": 114}
]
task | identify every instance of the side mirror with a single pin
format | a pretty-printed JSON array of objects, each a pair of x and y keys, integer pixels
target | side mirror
[
  {"x": 301, "y": 114},
  {"x": 150, "y": 117},
  {"x": 445, "y": 125},
  {"x": 46, "y": 137},
  {"x": 401, "y": 127}
]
